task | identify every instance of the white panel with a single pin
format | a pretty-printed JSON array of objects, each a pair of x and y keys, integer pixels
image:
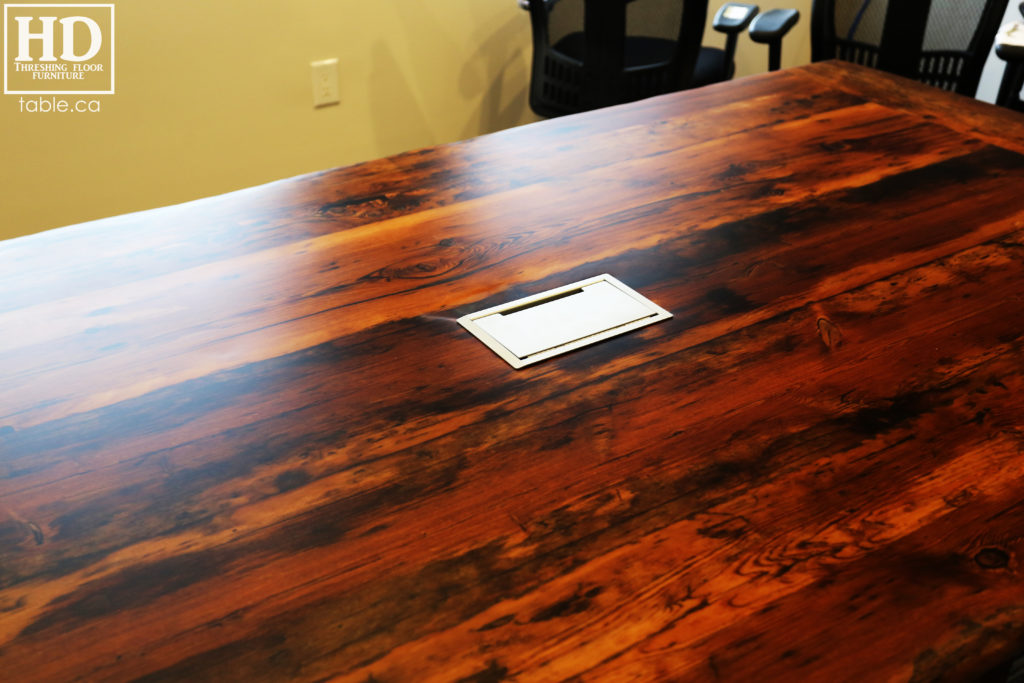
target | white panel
[
  {"x": 596, "y": 308},
  {"x": 543, "y": 325}
]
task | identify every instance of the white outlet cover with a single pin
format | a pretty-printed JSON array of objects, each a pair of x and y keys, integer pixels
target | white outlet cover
[
  {"x": 325, "y": 82},
  {"x": 551, "y": 323}
]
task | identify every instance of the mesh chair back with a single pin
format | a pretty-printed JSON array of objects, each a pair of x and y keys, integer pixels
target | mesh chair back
[
  {"x": 579, "y": 51},
  {"x": 658, "y": 18},
  {"x": 564, "y": 18},
  {"x": 853, "y": 32},
  {"x": 940, "y": 42}
]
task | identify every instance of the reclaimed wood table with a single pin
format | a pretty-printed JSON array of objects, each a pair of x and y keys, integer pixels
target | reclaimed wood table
[{"x": 245, "y": 439}]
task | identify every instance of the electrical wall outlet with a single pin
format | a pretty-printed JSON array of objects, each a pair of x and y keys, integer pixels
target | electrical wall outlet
[{"x": 325, "y": 82}]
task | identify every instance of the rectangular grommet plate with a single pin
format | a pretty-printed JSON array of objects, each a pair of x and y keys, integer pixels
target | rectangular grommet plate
[{"x": 536, "y": 327}]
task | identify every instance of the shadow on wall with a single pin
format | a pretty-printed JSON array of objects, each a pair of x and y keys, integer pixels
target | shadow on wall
[
  {"x": 399, "y": 122},
  {"x": 490, "y": 84},
  {"x": 500, "y": 60}
]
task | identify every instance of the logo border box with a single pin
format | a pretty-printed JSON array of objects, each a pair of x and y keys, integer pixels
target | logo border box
[{"x": 109, "y": 5}]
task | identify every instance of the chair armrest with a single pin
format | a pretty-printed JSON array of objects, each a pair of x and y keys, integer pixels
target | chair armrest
[
  {"x": 1010, "y": 48},
  {"x": 773, "y": 25},
  {"x": 1010, "y": 42},
  {"x": 734, "y": 17},
  {"x": 731, "y": 19},
  {"x": 770, "y": 28},
  {"x": 525, "y": 4}
]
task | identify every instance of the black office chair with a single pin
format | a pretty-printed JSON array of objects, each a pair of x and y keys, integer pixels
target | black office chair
[
  {"x": 940, "y": 42},
  {"x": 594, "y": 53}
]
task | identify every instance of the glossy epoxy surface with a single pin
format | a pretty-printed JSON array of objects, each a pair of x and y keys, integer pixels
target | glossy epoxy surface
[{"x": 245, "y": 439}]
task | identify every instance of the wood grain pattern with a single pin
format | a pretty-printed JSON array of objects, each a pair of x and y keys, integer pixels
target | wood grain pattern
[{"x": 244, "y": 438}]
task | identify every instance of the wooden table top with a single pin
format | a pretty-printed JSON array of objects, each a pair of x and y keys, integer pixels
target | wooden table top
[{"x": 245, "y": 439}]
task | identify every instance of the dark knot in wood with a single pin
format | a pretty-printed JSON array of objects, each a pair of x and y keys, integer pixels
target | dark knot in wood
[
  {"x": 992, "y": 558},
  {"x": 829, "y": 333}
]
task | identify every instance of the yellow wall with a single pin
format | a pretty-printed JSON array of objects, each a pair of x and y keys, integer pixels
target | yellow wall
[{"x": 215, "y": 95}]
